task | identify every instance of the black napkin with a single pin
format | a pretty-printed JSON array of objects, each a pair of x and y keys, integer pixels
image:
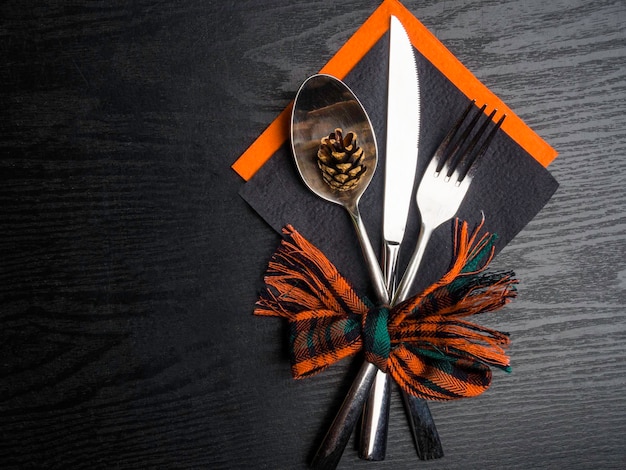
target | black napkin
[{"x": 509, "y": 188}]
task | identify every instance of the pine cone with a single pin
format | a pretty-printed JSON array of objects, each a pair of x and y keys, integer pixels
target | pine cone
[{"x": 341, "y": 160}]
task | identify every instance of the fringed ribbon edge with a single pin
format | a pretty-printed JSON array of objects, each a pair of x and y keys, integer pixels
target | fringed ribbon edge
[{"x": 428, "y": 345}]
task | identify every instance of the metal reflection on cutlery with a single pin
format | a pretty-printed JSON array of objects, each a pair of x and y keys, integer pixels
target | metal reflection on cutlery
[{"x": 401, "y": 153}]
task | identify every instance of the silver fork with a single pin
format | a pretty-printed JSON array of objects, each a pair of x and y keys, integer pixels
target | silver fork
[
  {"x": 439, "y": 196},
  {"x": 446, "y": 181}
]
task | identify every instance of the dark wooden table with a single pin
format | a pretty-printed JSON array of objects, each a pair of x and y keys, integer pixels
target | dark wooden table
[{"x": 130, "y": 265}]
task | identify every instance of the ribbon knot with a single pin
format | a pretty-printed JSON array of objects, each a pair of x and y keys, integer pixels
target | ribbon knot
[
  {"x": 376, "y": 339},
  {"x": 426, "y": 343}
]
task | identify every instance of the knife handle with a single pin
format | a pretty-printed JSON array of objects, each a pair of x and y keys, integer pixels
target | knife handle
[
  {"x": 373, "y": 444},
  {"x": 390, "y": 263}
]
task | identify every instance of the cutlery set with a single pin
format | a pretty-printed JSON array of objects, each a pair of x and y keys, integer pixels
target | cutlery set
[
  {"x": 325, "y": 104},
  {"x": 408, "y": 313}
]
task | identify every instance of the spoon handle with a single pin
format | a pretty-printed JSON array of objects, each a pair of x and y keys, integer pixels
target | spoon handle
[
  {"x": 338, "y": 435},
  {"x": 371, "y": 261},
  {"x": 332, "y": 447}
]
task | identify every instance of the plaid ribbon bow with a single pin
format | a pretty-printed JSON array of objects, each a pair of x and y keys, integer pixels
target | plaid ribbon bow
[{"x": 425, "y": 343}]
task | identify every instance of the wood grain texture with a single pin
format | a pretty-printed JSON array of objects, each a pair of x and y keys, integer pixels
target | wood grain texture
[{"x": 129, "y": 265}]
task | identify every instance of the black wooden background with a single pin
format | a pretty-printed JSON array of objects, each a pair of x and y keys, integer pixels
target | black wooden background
[{"x": 129, "y": 265}]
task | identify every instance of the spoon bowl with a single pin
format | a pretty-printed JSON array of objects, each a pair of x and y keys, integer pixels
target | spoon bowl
[{"x": 324, "y": 103}]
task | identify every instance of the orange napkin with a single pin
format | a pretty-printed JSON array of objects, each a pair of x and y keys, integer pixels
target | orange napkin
[
  {"x": 433, "y": 50},
  {"x": 510, "y": 187}
]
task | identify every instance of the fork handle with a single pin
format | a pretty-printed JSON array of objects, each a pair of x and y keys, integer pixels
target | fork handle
[
  {"x": 425, "y": 434},
  {"x": 404, "y": 288}
]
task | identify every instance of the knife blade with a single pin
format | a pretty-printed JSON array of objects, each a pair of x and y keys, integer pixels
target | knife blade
[
  {"x": 401, "y": 153},
  {"x": 403, "y": 128}
]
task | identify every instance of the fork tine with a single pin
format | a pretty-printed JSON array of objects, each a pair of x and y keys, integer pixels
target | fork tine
[
  {"x": 453, "y": 156},
  {"x": 469, "y": 147},
  {"x": 445, "y": 143},
  {"x": 472, "y": 158}
]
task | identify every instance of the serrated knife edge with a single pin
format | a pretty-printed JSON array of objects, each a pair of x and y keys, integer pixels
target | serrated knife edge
[{"x": 403, "y": 127}]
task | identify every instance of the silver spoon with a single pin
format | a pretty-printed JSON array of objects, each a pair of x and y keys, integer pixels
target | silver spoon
[{"x": 323, "y": 104}]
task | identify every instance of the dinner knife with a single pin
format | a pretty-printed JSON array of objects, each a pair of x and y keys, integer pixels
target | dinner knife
[{"x": 402, "y": 141}]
